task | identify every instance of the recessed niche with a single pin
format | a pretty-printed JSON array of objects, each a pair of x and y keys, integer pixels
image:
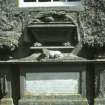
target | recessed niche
[{"x": 53, "y": 35}]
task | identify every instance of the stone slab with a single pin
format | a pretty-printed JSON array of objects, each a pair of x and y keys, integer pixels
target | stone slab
[
  {"x": 6, "y": 101},
  {"x": 74, "y": 101},
  {"x": 48, "y": 83},
  {"x": 52, "y": 86},
  {"x": 99, "y": 101}
]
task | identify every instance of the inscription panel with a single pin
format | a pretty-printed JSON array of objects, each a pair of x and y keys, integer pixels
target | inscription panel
[{"x": 55, "y": 82}]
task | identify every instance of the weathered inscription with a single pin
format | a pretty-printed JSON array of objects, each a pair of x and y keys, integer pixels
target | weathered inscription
[
  {"x": 52, "y": 83},
  {"x": 52, "y": 86}
]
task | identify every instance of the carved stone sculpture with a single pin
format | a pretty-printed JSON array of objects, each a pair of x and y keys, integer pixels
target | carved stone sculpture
[
  {"x": 50, "y": 17},
  {"x": 37, "y": 44},
  {"x": 50, "y": 54},
  {"x": 67, "y": 44}
]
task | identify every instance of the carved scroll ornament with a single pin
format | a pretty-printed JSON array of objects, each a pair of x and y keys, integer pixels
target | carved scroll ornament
[{"x": 51, "y": 17}]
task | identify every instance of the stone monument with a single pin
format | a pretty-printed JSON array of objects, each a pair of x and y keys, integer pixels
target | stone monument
[{"x": 43, "y": 59}]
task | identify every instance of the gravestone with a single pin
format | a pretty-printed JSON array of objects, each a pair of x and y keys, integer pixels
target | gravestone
[{"x": 45, "y": 83}]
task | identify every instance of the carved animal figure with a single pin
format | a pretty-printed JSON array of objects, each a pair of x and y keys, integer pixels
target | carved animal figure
[{"x": 50, "y": 54}]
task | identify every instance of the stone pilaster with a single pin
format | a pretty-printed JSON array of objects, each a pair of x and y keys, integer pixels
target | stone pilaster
[{"x": 99, "y": 85}]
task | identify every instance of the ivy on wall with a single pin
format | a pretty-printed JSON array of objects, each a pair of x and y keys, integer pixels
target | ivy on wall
[
  {"x": 10, "y": 29},
  {"x": 93, "y": 23}
]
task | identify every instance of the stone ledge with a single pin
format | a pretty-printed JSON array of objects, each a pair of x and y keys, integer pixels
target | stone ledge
[
  {"x": 6, "y": 101},
  {"x": 99, "y": 101},
  {"x": 80, "y": 101},
  {"x": 53, "y": 96}
]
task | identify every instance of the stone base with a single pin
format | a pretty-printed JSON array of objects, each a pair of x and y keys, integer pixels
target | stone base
[
  {"x": 53, "y": 101},
  {"x": 6, "y": 101},
  {"x": 99, "y": 101}
]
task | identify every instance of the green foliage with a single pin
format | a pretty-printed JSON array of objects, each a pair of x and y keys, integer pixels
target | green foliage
[
  {"x": 96, "y": 42},
  {"x": 93, "y": 19},
  {"x": 9, "y": 40}
]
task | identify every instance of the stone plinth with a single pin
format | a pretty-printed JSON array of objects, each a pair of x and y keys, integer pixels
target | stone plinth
[
  {"x": 54, "y": 100},
  {"x": 53, "y": 84},
  {"x": 99, "y": 101},
  {"x": 6, "y": 101}
]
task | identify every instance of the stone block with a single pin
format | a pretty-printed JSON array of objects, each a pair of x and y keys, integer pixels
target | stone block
[
  {"x": 99, "y": 101},
  {"x": 53, "y": 101},
  {"x": 6, "y": 101}
]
